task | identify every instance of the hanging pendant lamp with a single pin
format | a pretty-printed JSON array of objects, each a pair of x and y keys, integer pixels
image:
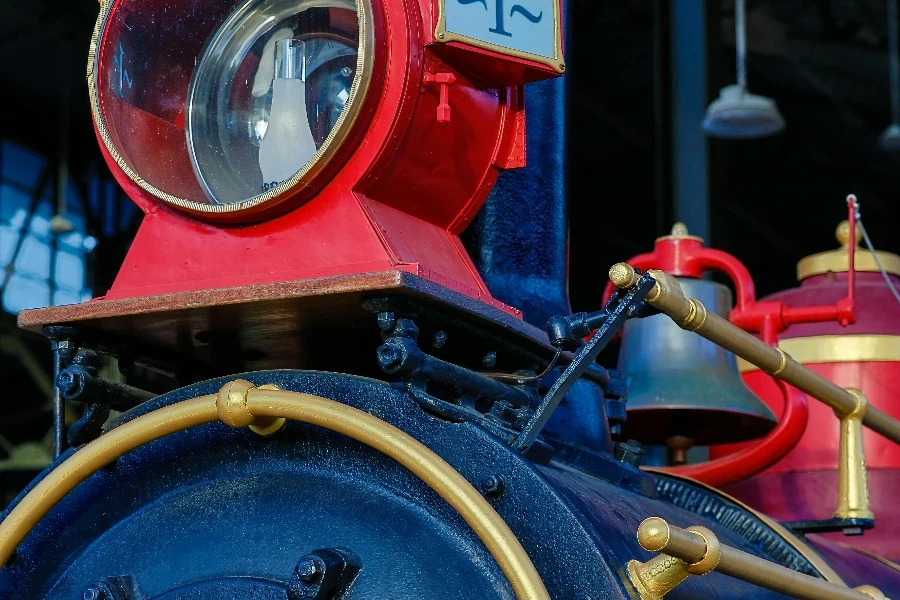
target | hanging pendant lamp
[
  {"x": 890, "y": 137},
  {"x": 737, "y": 114}
]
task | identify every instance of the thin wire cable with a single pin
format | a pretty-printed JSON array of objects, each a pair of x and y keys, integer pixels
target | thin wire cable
[
  {"x": 523, "y": 378},
  {"x": 887, "y": 278}
]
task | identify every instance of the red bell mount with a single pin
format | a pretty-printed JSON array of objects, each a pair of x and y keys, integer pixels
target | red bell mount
[{"x": 684, "y": 255}]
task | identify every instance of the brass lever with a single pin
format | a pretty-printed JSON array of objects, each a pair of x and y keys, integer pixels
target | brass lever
[{"x": 697, "y": 551}]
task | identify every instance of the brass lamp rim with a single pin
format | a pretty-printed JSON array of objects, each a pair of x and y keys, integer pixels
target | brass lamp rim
[
  {"x": 240, "y": 404},
  {"x": 302, "y": 179}
]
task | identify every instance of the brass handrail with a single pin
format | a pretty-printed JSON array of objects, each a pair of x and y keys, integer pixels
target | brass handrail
[
  {"x": 697, "y": 551},
  {"x": 690, "y": 314},
  {"x": 240, "y": 404}
]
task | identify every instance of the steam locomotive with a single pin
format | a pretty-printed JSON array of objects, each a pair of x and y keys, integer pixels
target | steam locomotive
[{"x": 349, "y": 412}]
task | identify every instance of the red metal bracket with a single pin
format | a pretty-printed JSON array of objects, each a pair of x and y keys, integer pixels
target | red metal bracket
[
  {"x": 444, "y": 80},
  {"x": 769, "y": 319},
  {"x": 685, "y": 256}
]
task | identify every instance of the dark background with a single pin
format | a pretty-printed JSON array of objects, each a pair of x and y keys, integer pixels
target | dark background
[{"x": 770, "y": 202}]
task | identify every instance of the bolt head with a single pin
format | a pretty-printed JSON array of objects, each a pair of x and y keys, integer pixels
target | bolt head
[
  {"x": 389, "y": 357},
  {"x": 93, "y": 593},
  {"x": 492, "y": 486},
  {"x": 440, "y": 339},
  {"x": 489, "y": 360},
  {"x": 68, "y": 382},
  {"x": 386, "y": 321},
  {"x": 308, "y": 570}
]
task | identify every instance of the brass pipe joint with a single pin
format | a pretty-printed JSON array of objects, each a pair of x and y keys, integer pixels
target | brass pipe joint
[
  {"x": 661, "y": 574},
  {"x": 233, "y": 410},
  {"x": 696, "y": 551}
]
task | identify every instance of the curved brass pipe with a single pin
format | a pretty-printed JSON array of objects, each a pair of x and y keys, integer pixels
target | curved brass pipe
[{"x": 239, "y": 404}]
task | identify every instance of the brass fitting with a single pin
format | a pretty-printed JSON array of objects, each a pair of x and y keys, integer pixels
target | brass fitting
[
  {"x": 696, "y": 551},
  {"x": 661, "y": 574},
  {"x": 267, "y": 426},
  {"x": 231, "y": 406},
  {"x": 871, "y": 591},
  {"x": 623, "y": 275},
  {"x": 853, "y": 486}
]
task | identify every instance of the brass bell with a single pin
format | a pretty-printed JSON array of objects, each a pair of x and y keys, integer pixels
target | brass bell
[{"x": 684, "y": 390}]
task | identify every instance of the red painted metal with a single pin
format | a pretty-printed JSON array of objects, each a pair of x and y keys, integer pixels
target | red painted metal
[
  {"x": 803, "y": 485},
  {"x": 687, "y": 257},
  {"x": 398, "y": 195},
  {"x": 819, "y": 447},
  {"x": 811, "y": 495},
  {"x": 444, "y": 81}
]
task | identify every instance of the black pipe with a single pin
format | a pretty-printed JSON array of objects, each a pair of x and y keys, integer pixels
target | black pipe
[
  {"x": 75, "y": 382},
  {"x": 402, "y": 357},
  {"x": 520, "y": 240}
]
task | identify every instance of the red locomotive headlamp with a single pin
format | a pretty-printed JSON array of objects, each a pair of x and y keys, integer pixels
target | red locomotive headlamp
[
  {"x": 223, "y": 112},
  {"x": 270, "y": 140}
]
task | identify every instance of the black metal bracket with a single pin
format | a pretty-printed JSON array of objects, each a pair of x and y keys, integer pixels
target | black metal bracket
[
  {"x": 469, "y": 395},
  {"x": 79, "y": 382},
  {"x": 323, "y": 574},
  {"x": 62, "y": 343},
  {"x": 113, "y": 588},
  {"x": 847, "y": 526},
  {"x": 622, "y": 305}
]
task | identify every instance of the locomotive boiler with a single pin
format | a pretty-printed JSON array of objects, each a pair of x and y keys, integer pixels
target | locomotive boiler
[{"x": 323, "y": 400}]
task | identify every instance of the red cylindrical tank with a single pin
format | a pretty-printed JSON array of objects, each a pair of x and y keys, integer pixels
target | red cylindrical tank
[{"x": 864, "y": 355}]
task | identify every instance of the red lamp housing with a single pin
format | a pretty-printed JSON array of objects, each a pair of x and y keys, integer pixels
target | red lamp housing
[{"x": 407, "y": 134}]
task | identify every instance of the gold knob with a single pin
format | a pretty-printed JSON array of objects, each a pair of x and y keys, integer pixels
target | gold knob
[
  {"x": 623, "y": 275},
  {"x": 680, "y": 230},
  {"x": 842, "y": 233}
]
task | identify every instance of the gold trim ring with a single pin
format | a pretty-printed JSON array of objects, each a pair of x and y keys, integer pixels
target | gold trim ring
[
  {"x": 239, "y": 404},
  {"x": 837, "y": 349}
]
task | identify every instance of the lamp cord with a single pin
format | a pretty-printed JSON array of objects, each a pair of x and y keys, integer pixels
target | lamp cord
[{"x": 524, "y": 378}]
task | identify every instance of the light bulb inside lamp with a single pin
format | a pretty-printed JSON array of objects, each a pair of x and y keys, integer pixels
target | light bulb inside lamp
[{"x": 288, "y": 143}]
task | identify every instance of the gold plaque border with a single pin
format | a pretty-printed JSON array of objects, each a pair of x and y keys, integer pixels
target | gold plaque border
[{"x": 557, "y": 62}]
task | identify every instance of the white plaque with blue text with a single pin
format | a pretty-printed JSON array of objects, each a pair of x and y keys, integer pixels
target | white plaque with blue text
[{"x": 524, "y": 28}]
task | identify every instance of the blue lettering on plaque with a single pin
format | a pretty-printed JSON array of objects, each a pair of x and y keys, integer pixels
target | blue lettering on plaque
[{"x": 521, "y": 26}]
